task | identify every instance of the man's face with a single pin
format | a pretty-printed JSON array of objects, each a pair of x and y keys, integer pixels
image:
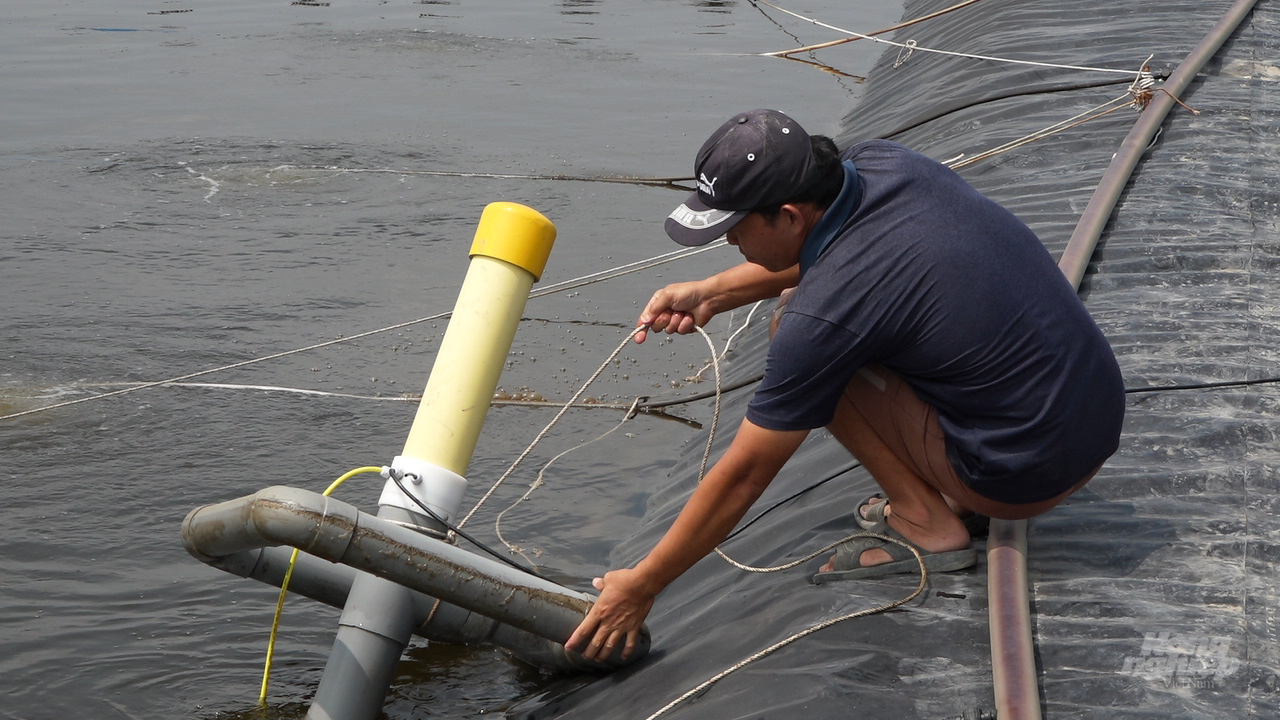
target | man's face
[{"x": 772, "y": 243}]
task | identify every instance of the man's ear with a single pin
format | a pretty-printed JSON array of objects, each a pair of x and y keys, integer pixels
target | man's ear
[{"x": 793, "y": 218}]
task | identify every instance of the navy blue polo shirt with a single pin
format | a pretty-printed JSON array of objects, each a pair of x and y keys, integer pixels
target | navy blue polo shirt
[{"x": 914, "y": 269}]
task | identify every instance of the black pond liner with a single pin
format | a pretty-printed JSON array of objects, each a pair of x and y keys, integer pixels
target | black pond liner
[{"x": 1154, "y": 590}]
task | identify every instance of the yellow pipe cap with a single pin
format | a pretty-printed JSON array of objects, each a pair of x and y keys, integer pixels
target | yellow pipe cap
[{"x": 517, "y": 234}]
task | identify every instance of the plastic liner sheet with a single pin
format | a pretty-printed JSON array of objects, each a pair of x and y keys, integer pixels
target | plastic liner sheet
[{"x": 1154, "y": 588}]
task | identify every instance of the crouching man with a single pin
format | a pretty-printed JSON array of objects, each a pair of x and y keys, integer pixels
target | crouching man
[{"x": 928, "y": 330}]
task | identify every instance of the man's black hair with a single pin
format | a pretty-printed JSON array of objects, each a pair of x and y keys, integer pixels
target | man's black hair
[{"x": 823, "y": 191}]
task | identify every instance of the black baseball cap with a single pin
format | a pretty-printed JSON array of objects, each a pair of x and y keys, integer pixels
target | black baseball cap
[{"x": 757, "y": 159}]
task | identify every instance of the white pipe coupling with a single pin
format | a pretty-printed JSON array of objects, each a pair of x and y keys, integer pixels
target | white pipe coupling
[{"x": 437, "y": 488}]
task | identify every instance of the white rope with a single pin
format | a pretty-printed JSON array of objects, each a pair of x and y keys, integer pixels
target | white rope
[
  {"x": 550, "y": 425},
  {"x": 739, "y": 331},
  {"x": 627, "y": 269},
  {"x": 1091, "y": 114},
  {"x": 924, "y": 578},
  {"x": 728, "y": 343},
  {"x": 558, "y": 287},
  {"x": 924, "y": 573},
  {"x": 540, "y": 480},
  {"x": 912, "y": 46},
  {"x": 715, "y": 413},
  {"x": 261, "y": 388},
  {"x": 702, "y": 471},
  {"x": 222, "y": 368},
  {"x": 658, "y": 181}
]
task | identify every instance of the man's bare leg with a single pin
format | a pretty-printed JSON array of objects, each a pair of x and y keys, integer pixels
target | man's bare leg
[{"x": 919, "y": 512}]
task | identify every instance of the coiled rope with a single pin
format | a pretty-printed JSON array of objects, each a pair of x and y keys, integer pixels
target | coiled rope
[
  {"x": 924, "y": 579},
  {"x": 924, "y": 573}
]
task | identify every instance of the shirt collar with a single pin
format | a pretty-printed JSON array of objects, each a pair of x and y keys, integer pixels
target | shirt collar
[{"x": 832, "y": 219}]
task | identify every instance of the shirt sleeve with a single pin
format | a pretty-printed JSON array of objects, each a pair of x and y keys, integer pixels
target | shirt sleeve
[{"x": 809, "y": 364}]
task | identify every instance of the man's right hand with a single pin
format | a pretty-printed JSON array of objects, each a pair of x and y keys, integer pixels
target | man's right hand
[
  {"x": 684, "y": 307},
  {"x": 677, "y": 308}
]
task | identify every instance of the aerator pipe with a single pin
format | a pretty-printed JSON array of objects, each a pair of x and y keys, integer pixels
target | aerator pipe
[
  {"x": 510, "y": 250},
  {"x": 330, "y": 583},
  {"x": 1012, "y": 647},
  {"x": 339, "y": 532}
]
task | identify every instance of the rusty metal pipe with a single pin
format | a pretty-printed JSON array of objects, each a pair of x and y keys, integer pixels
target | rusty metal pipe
[
  {"x": 1013, "y": 662},
  {"x": 1012, "y": 646}
]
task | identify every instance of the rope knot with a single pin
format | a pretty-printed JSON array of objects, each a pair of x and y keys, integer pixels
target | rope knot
[{"x": 1142, "y": 86}]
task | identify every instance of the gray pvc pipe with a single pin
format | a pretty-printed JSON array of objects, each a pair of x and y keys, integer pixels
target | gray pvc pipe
[
  {"x": 438, "y": 621},
  {"x": 337, "y": 531},
  {"x": 373, "y": 632},
  {"x": 361, "y": 666}
]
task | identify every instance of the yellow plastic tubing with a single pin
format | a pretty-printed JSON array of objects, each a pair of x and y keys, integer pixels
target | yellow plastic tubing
[{"x": 509, "y": 253}]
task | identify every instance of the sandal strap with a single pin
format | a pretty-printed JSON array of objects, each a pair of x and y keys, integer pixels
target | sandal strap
[
  {"x": 874, "y": 519},
  {"x": 849, "y": 554}
]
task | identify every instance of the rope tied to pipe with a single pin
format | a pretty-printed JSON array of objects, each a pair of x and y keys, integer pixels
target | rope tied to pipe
[{"x": 1143, "y": 89}]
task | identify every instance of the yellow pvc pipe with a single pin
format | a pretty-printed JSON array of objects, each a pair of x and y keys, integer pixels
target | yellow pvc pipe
[{"x": 509, "y": 253}]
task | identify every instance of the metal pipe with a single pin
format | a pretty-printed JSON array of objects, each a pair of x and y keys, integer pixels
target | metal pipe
[
  {"x": 1080, "y": 247},
  {"x": 1012, "y": 645},
  {"x": 336, "y": 531},
  {"x": 1013, "y": 662}
]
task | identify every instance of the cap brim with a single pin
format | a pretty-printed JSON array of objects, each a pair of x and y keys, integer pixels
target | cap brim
[{"x": 693, "y": 223}]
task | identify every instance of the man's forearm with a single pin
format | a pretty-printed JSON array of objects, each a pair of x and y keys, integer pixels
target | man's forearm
[
  {"x": 728, "y": 491},
  {"x": 747, "y": 283}
]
